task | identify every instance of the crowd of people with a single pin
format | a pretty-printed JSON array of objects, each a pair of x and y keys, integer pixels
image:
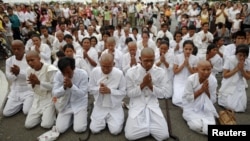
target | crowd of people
[{"x": 117, "y": 50}]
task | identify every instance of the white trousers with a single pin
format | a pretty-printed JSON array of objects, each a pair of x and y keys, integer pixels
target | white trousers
[
  {"x": 67, "y": 117},
  {"x": 201, "y": 125},
  {"x": 16, "y": 103},
  {"x": 45, "y": 115},
  {"x": 115, "y": 126},
  {"x": 146, "y": 123}
]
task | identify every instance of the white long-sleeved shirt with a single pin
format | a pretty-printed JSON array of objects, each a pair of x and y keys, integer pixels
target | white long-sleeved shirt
[
  {"x": 43, "y": 92},
  {"x": 93, "y": 54},
  {"x": 202, "y": 106},
  {"x": 195, "y": 38},
  {"x": 76, "y": 97},
  {"x": 217, "y": 63},
  {"x": 145, "y": 98},
  {"x": 107, "y": 103},
  {"x": 168, "y": 34},
  {"x": 57, "y": 45},
  {"x": 169, "y": 74},
  {"x": 209, "y": 39},
  {"x": 126, "y": 60},
  {"x": 45, "y": 53},
  {"x": 18, "y": 83}
]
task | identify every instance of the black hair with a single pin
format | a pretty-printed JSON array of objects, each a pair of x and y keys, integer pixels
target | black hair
[
  {"x": 135, "y": 28},
  {"x": 150, "y": 22},
  {"x": 74, "y": 29},
  {"x": 128, "y": 39},
  {"x": 68, "y": 36},
  {"x": 43, "y": 27},
  {"x": 65, "y": 62},
  {"x": 216, "y": 39},
  {"x": 192, "y": 27},
  {"x": 60, "y": 54},
  {"x": 220, "y": 25},
  {"x": 210, "y": 47},
  {"x": 68, "y": 46},
  {"x": 164, "y": 24},
  {"x": 145, "y": 32},
  {"x": 243, "y": 48},
  {"x": 111, "y": 27},
  {"x": 188, "y": 42},
  {"x": 165, "y": 39},
  {"x": 158, "y": 39},
  {"x": 164, "y": 42},
  {"x": 195, "y": 50},
  {"x": 36, "y": 35},
  {"x": 239, "y": 33},
  {"x": 93, "y": 37},
  {"x": 9, "y": 8},
  {"x": 85, "y": 38},
  {"x": 106, "y": 33},
  {"x": 177, "y": 32},
  {"x": 30, "y": 33}
]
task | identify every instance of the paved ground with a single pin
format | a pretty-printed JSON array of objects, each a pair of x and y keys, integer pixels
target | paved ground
[{"x": 12, "y": 128}]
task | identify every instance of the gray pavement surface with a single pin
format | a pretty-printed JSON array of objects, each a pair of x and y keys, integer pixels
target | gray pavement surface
[{"x": 12, "y": 128}]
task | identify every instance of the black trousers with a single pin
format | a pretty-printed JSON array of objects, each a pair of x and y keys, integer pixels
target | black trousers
[{"x": 16, "y": 33}]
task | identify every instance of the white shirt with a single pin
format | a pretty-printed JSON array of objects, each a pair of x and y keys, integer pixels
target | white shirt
[
  {"x": 50, "y": 38},
  {"x": 151, "y": 44},
  {"x": 172, "y": 46},
  {"x": 169, "y": 74},
  {"x": 93, "y": 54},
  {"x": 209, "y": 39},
  {"x": 66, "y": 12},
  {"x": 115, "y": 81},
  {"x": 229, "y": 51},
  {"x": 145, "y": 98},
  {"x": 193, "y": 12},
  {"x": 43, "y": 92},
  {"x": 30, "y": 16},
  {"x": 57, "y": 45},
  {"x": 45, "y": 53},
  {"x": 167, "y": 34},
  {"x": 18, "y": 83},
  {"x": 21, "y": 16},
  {"x": 202, "y": 106},
  {"x": 77, "y": 98},
  {"x": 195, "y": 38},
  {"x": 217, "y": 63},
  {"x": 126, "y": 60}
]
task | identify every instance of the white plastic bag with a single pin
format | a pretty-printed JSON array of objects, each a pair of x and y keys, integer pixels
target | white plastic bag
[{"x": 51, "y": 135}]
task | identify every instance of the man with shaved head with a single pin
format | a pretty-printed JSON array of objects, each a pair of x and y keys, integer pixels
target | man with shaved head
[
  {"x": 107, "y": 85},
  {"x": 40, "y": 78},
  {"x": 131, "y": 58},
  {"x": 145, "y": 84},
  {"x": 113, "y": 49},
  {"x": 199, "y": 98},
  {"x": 20, "y": 96}
]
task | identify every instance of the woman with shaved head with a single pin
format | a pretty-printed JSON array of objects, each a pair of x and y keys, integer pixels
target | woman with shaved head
[
  {"x": 40, "y": 77},
  {"x": 199, "y": 98}
]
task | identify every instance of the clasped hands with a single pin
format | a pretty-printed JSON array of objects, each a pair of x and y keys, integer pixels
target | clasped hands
[
  {"x": 15, "y": 70},
  {"x": 103, "y": 89},
  {"x": 147, "y": 82},
  {"x": 33, "y": 80}
]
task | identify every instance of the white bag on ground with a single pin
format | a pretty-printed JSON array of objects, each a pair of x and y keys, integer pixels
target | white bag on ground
[{"x": 50, "y": 135}]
